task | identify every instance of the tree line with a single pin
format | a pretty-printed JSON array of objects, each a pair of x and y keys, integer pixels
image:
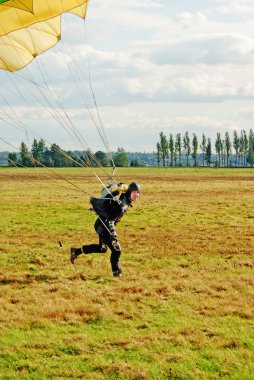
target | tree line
[
  {"x": 184, "y": 150},
  {"x": 172, "y": 151},
  {"x": 55, "y": 156}
]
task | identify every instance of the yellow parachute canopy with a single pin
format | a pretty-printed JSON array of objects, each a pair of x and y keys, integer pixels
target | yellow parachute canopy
[
  {"x": 25, "y": 5},
  {"x": 29, "y": 27}
]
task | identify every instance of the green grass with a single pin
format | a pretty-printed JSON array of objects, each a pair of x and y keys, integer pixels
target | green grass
[{"x": 184, "y": 306}]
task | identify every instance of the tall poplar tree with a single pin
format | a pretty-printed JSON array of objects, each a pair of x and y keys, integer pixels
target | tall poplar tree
[
  {"x": 218, "y": 147},
  {"x": 250, "y": 157},
  {"x": 228, "y": 146},
  {"x": 203, "y": 148},
  {"x": 171, "y": 149},
  {"x": 158, "y": 153},
  {"x": 178, "y": 147},
  {"x": 195, "y": 148},
  {"x": 208, "y": 152},
  {"x": 164, "y": 147},
  {"x": 34, "y": 149},
  {"x": 186, "y": 146},
  {"x": 244, "y": 146},
  {"x": 236, "y": 145},
  {"x": 41, "y": 150}
]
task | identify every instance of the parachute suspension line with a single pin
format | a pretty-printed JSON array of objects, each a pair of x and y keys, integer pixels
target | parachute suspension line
[
  {"x": 95, "y": 102},
  {"x": 51, "y": 170},
  {"x": 63, "y": 121},
  {"x": 61, "y": 152},
  {"x": 30, "y": 80},
  {"x": 52, "y": 111},
  {"x": 27, "y": 139},
  {"x": 58, "y": 175},
  {"x": 71, "y": 126},
  {"x": 76, "y": 188},
  {"x": 15, "y": 164},
  {"x": 20, "y": 126},
  {"x": 78, "y": 80},
  {"x": 39, "y": 178},
  {"x": 58, "y": 117},
  {"x": 30, "y": 77},
  {"x": 104, "y": 186},
  {"x": 93, "y": 157},
  {"x": 23, "y": 128},
  {"x": 58, "y": 150},
  {"x": 90, "y": 155},
  {"x": 19, "y": 165},
  {"x": 54, "y": 115},
  {"x": 66, "y": 122}
]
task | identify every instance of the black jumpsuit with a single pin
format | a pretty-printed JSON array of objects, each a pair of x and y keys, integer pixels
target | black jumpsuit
[{"x": 105, "y": 228}]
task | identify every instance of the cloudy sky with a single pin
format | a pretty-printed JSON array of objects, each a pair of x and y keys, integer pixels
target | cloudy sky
[{"x": 152, "y": 65}]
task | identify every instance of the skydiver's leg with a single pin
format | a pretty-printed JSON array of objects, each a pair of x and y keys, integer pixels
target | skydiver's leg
[
  {"x": 115, "y": 259},
  {"x": 101, "y": 247},
  {"x": 95, "y": 248},
  {"x": 115, "y": 248}
]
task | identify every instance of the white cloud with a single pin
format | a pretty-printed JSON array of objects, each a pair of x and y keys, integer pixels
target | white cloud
[
  {"x": 245, "y": 7},
  {"x": 248, "y": 89},
  {"x": 153, "y": 65},
  {"x": 188, "y": 19},
  {"x": 246, "y": 113},
  {"x": 130, "y": 4},
  {"x": 205, "y": 85},
  {"x": 208, "y": 48},
  {"x": 199, "y": 82}
]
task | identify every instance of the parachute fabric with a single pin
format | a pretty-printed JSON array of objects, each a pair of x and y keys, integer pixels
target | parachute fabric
[
  {"x": 25, "y": 5},
  {"x": 28, "y": 28}
]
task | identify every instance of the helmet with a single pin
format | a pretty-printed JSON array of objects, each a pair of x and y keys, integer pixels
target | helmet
[{"x": 133, "y": 186}]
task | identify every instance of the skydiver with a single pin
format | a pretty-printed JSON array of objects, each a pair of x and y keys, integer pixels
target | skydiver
[{"x": 105, "y": 227}]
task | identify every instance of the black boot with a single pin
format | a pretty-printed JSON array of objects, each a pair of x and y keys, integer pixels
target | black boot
[
  {"x": 117, "y": 273},
  {"x": 75, "y": 252}
]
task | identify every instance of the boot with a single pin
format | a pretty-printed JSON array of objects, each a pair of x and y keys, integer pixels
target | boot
[
  {"x": 117, "y": 273},
  {"x": 74, "y": 255}
]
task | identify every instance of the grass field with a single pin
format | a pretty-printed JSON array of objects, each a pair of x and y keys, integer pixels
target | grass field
[{"x": 184, "y": 308}]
